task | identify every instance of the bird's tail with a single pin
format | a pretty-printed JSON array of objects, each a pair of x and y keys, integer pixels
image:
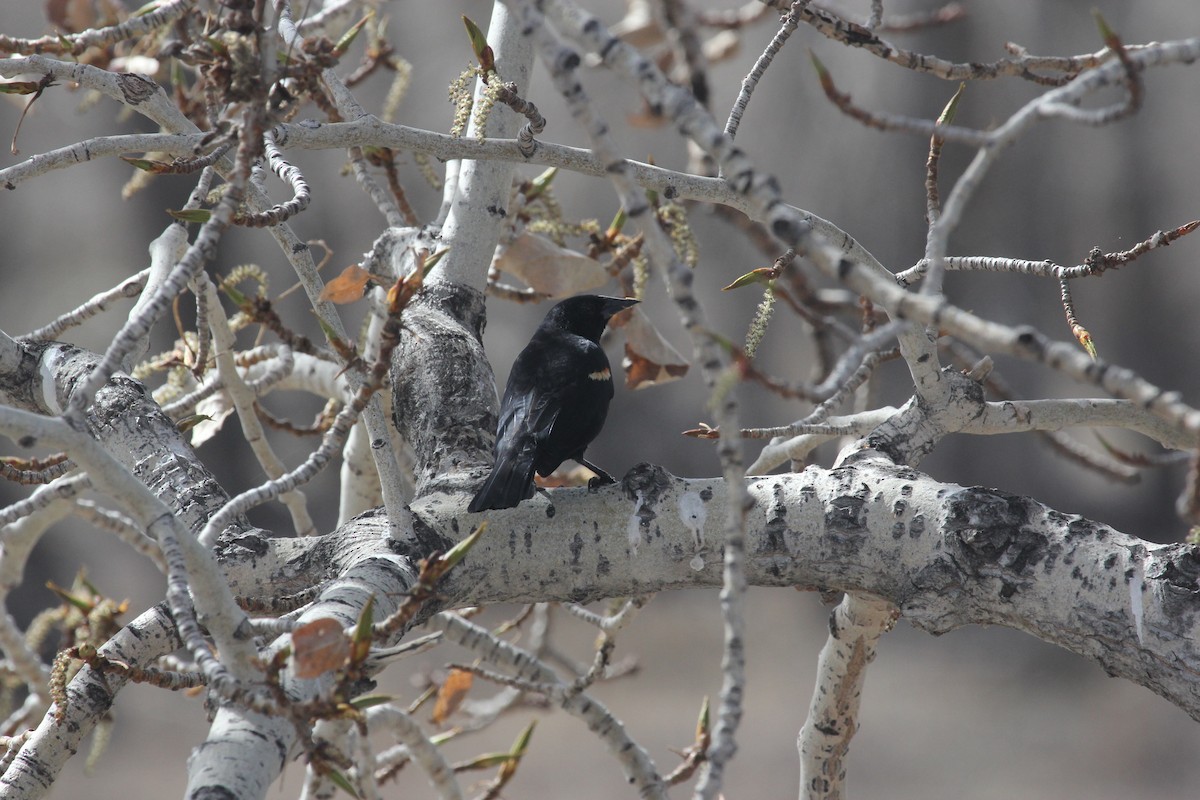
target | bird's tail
[{"x": 511, "y": 482}]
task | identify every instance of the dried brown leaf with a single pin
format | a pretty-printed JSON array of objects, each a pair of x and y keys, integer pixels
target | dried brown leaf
[
  {"x": 649, "y": 358},
  {"x": 451, "y": 694},
  {"x": 318, "y": 647},
  {"x": 347, "y": 287},
  {"x": 71, "y": 16},
  {"x": 549, "y": 269}
]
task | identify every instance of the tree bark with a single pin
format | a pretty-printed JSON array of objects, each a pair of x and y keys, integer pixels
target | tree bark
[{"x": 946, "y": 555}]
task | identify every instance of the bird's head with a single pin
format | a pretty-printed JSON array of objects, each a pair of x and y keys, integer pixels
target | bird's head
[{"x": 586, "y": 314}]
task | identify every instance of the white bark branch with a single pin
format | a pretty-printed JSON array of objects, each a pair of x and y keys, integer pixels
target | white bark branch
[
  {"x": 946, "y": 555},
  {"x": 854, "y": 628}
]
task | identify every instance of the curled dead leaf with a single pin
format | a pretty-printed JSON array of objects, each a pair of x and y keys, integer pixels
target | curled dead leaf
[
  {"x": 549, "y": 269},
  {"x": 451, "y": 694},
  {"x": 705, "y": 431},
  {"x": 649, "y": 358}
]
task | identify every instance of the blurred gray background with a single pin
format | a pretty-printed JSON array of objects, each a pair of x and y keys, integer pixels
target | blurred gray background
[{"x": 978, "y": 713}]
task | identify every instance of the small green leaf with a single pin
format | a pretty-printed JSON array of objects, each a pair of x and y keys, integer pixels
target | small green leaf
[
  {"x": 146, "y": 164},
  {"x": 146, "y": 9},
  {"x": 217, "y": 45},
  {"x": 187, "y": 423},
  {"x": 479, "y": 45},
  {"x": 1090, "y": 347},
  {"x": 822, "y": 72},
  {"x": 91, "y": 587},
  {"x": 522, "y": 742},
  {"x": 724, "y": 343},
  {"x": 20, "y": 87},
  {"x": 435, "y": 258},
  {"x": 343, "y": 44},
  {"x": 191, "y": 215},
  {"x": 360, "y": 647},
  {"x": 509, "y": 768},
  {"x": 484, "y": 761},
  {"x": 445, "y": 736},
  {"x": 1085, "y": 340},
  {"x": 476, "y": 35},
  {"x": 330, "y": 334},
  {"x": 542, "y": 182},
  {"x": 343, "y": 783},
  {"x": 365, "y": 619},
  {"x": 947, "y": 115},
  {"x": 618, "y": 223},
  {"x": 760, "y": 275},
  {"x": 1106, "y": 32},
  {"x": 82, "y": 604},
  {"x": 460, "y": 550},
  {"x": 234, "y": 294},
  {"x": 371, "y": 700}
]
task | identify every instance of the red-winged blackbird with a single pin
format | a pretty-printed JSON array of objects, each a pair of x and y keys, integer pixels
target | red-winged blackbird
[{"x": 555, "y": 402}]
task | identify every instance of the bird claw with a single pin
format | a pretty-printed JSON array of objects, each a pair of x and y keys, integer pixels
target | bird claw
[{"x": 595, "y": 483}]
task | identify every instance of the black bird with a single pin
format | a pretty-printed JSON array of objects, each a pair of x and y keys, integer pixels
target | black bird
[{"x": 555, "y": 402}]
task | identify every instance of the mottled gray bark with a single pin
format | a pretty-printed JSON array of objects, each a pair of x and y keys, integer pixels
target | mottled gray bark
[
  {"x": 443, "y": 396},
  {"x": 126, "y": 420},
  {"x": 89, "y": 697}
]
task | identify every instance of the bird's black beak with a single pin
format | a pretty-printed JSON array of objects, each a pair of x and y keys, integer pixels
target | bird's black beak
[{"x": 613, "y": 305}]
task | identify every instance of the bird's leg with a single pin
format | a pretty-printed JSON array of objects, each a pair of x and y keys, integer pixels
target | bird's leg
[
  {"x": 601, "y": 478},
  {"x": 544, "y": 492}
]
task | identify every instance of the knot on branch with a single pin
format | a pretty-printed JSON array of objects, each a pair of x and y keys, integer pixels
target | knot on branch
[
  {"x": 1175, "y": 577},
  {"x": 1182, "y": 573},
  {"x": 992, "y": 537},
  {"x": 645, "y": 484},
  {"x": 136, "y": 89},
  {"x": 646, "y": 481}
]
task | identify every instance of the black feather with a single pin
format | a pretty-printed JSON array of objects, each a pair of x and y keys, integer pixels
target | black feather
[{"x": 555, "y": 402}]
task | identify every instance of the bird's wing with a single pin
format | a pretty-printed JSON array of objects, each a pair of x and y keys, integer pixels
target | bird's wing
[
  {"x": 543, "y": 378},
  {"x": 527, "y": 414}
]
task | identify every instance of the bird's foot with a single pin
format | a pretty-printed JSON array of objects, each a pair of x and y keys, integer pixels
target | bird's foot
[
  {"x": 595, "y": 483},
  {"x": 602, "y": 478}
]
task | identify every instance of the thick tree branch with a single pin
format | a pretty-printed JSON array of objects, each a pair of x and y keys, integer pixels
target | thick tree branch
[
  {"x": 125, "y": 420},
  {"x": 946, "y": 555},
  {"x": 89, "y": 697}
]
